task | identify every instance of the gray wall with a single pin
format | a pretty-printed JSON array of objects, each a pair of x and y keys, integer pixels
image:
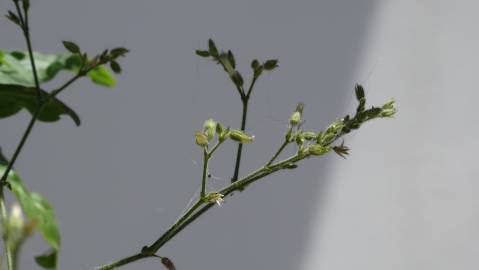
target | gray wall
[
  {"x": 405, "y": 199},
  {"x": 407, "y": 196}
]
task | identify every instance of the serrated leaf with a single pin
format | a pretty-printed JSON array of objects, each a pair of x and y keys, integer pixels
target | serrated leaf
[
  {"x": 14, "y": 98},
  {"x": 102, "y": 76},
  {"x": 71, "y": 47},
  {"x": 48, "y": 260},
  {"x": 202, "y": 53},
  {"x": 36, "y": 208}
]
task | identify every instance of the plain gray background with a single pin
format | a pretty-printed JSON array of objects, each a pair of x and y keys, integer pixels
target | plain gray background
[{"x": 405, "y": 199}]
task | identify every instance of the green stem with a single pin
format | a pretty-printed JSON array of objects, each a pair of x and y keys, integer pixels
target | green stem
[
  {"x": 240, "y": 146},
  {"x": 6, "y": 241},
  {"x": 19, "y": 147},
  {"x": 26, "y": 134},
  {"x": 123, "y": 261},
  {"x": 285, "y": 143},
  {"x": 193, "y": 213},
  {"x": 26, "y": 32},
  {"x": 205, "y": 173}
]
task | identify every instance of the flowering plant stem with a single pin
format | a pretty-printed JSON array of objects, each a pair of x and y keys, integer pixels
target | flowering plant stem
[
  {"x": 193, "y": 213},
  {"x": 309, "y": 144}
]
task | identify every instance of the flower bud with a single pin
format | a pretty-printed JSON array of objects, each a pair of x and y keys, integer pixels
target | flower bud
[
  {"x": 209, "y": 128},
  {"x": 309, "y": 135},
  {"x": 318, "y": 150},
  {"x": 15, "y": 221},
  {"x": 299, "y": 139},
  {"x": 240, "y": 136},
  {"x": 295, "y": 119},
  {"x": 201, "y": 139},
  {"x": 388, "y": 109},
  {"x": 224, "y": 134}
]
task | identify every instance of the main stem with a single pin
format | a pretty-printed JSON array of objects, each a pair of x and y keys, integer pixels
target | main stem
[
  {"x": 195, "y": 211},
  {"x": 26, "y": 134},
  {"x": 240, "y": 146}
]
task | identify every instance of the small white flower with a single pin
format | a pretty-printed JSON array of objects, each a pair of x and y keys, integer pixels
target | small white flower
[
  {"x": 16, "y": 221},
  {"x": 215, "y": 197}
]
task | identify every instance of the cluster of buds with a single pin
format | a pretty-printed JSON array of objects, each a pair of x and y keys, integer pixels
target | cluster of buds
[
  {"x": 212, "y": 128},
  {"x": 227, "y": 60},
  {"x": 363, "y": 115},
  {"x": 311, "y": 143},
  {"x": 107, "y": 56}
]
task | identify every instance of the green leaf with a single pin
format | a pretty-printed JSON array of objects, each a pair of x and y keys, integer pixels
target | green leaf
[
  {"x": 202, "y": 53},
  {"x": 14, "y": 98},
  {"x": 71, "y": 47},
  {"x": 254, "y": 64},
  {"x": 212, "y": 48},
  {"x": 48, "y": 260},
  {"x": 102, "y": 76},
  {"x": 359, "y": 90},
  {"x": 115, "y": 67},
  {"x": 26, "y": 5},
  {"x": 14, "y": 18},
  {"x": 15, "y": 68},
  {"x": 237, "y": 79},
  {"x": 231, "y": 58},
  {"x": 270, "y": 64},
  {"x": 36, "y": 208},
  {"x": 117, "y": 52}
]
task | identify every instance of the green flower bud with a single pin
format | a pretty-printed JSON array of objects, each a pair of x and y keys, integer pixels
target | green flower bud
[
  {"x": 309, "y": 135},
  {"x": 318, "y": 150},
  {"x": 219, "y": 128},
  {"x": 295, "y": 119},
  {"x": 209, "y": 128},
  {"x": 15, "y": 220},
  {"x": 201, "y": 139},
  {"x": 335, "y": 127},
  {"x": 224, "y": 135},
  {"x": 320, "y": 138},
  {"x": 240, "y": 136},
  {"x": 289, "y": 135},
  {"x": 388, "y": 109},
  {"x": 299, "y": 139}
]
